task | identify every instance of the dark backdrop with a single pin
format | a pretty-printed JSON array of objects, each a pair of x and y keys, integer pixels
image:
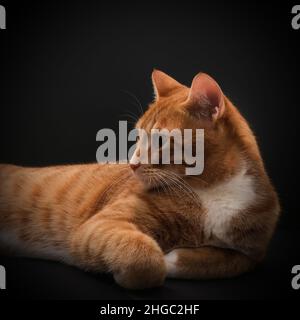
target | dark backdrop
[{"x": 65, "y": 69}]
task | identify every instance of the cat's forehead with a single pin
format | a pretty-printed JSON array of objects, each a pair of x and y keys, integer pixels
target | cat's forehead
[
  {"x": 159, "y": 118},
  {"x": 166, "y": 113}
]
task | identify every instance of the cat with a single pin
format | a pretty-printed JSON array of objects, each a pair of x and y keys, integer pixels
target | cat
[{"x": 143, "y": 222}]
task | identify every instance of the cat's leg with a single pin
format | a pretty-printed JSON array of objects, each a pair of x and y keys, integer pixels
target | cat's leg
[
  {"x": 117, "y": 246},
  {"x": 206, "y": 263}
]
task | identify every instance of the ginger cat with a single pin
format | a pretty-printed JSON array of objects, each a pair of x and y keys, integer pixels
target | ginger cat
[{"x": 145, "y": 222}]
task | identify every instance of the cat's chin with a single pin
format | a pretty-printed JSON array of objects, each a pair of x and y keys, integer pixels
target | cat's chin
[
  {"x": 147, "y": 183},
  {"x": 150, "y": 186}
]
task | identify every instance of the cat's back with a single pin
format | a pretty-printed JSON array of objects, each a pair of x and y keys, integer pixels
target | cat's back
[{"x": 70, "y": 189}]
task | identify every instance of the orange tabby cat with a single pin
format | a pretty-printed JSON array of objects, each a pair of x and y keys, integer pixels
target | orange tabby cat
[{"x": 151, "y": 221}]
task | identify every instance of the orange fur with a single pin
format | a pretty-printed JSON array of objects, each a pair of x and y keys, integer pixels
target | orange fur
[{"x": 107, "y": 218}]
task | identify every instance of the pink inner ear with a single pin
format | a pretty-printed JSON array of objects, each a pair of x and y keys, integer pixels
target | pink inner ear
[{"x": 207, "y": 96}]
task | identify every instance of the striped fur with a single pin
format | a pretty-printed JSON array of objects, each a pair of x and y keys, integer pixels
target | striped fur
[{"x": 148, "y": 223}]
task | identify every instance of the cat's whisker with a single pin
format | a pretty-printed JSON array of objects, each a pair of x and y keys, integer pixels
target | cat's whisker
[
  {"x": 162, "y": 182},
  {"x": 173, "y": 187},
  {"x": 124, "y": 174},
  {"x": 181, "y": 184},
  {"x": 131, "y": 115},
  {"x": 165, "y": 183},
  {"x": 177, "y": 185},
  {"x": 141, "y": 110},
  {"x": 156, "y": 188},
  {"x": 189, "y": 191}
]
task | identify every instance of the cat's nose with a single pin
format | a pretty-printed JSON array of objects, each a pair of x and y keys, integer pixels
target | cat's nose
[{"x": 135, "y": 166}]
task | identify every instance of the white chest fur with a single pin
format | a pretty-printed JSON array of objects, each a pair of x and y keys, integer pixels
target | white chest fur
[{"x": 224, "y": 201}]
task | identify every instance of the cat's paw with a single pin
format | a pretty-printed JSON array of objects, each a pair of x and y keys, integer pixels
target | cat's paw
[{"x": 148, "y": 274}]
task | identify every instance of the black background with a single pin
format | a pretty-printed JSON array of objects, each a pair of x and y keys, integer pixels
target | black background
[{"x": 66, "y": 69}]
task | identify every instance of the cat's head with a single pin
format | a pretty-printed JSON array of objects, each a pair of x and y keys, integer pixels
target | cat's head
[{"x": 202, "y": 106}]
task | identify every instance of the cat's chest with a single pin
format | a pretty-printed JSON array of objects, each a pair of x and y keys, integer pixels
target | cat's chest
[{"x": 225, "y": 201}]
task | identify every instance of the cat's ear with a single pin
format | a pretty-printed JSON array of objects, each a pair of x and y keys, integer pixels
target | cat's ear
[
  {"x": 163, "y": 84},
  {"x": 206, "y": 100}
]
